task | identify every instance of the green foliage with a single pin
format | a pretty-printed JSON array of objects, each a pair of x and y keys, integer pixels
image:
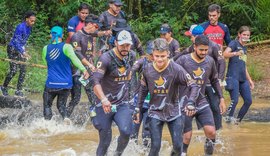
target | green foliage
[
  {"x": 251, "y": 13},
  {"x": 254, "y": 72},
  {"x": 144, "y": 16},
  {"x": 3, "y": 65},
  {"x": 35, "y": 77},
  {"x": 151, "y": 25}
]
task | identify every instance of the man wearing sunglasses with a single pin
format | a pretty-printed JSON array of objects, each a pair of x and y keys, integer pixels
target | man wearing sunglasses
[{"x": 83, "y": 43}]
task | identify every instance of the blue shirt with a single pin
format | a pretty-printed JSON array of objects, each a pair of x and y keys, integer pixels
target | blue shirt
[
  {"x": 59, "y": 67},
  {"x": 73, "y": 23},
  {"x": 20, "y": 37},
  {"x": 237, "y": 64}
]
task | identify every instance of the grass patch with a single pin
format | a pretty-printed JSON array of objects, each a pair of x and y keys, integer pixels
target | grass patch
[
  {"x": 254, "y": 72},
  {"x": 35, "y": 77}
]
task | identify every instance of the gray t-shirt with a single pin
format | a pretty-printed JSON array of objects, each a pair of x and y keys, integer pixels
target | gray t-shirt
[
  {"x": 113, "y": 74},
  {"x": 169, "y": 90},
  {"x": 201, "y": 72}
]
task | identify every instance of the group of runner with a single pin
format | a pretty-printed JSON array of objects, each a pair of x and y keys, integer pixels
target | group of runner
[{"x": 166, "y": 85}]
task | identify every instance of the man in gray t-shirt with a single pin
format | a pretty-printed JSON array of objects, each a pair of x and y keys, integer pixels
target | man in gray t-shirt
[
  {"x": 111, "y": 82},
  {"x": 167, "y": 83}
]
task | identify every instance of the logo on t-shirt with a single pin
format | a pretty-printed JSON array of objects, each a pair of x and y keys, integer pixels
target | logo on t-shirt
[
  {"x": 160, "y": 83},
  {"x": 122, "y": 71},
  {"x": 160, "y": 86},
  {"x": 54, "y": 53},
  {"x": 198, "y": 75}
]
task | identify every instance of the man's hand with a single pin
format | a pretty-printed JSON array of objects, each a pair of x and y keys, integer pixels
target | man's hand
[
  {"x": 239, "y": 53},
  {"x": 92, "y": 67},
  {"x": 106, "y": 105},
  {"x": 86, "y": 75},
  {"x": 222, "y": 106},
  {"x": 136, "y": 116},
  {"x": 107, "y": 33},
  {"x": 26, "y": 56},
  {"x": 251, "y": 83},
  {"x": 190, "y": 108}
]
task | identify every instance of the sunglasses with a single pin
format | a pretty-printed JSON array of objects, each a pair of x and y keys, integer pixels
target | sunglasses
[{"x": 95, "y": 25}]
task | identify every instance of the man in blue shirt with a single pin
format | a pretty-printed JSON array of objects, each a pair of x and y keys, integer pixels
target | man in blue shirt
[
  {"x": 16, "y": 51},
  {"x": 76, "y": 23},
  {"x": 59, "y": 56}
]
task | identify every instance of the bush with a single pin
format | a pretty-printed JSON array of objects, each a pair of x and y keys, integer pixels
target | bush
[{"x": 254, "y": 72}]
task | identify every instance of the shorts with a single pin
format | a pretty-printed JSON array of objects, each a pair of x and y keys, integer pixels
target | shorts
[{"x": 203, "y": 117}]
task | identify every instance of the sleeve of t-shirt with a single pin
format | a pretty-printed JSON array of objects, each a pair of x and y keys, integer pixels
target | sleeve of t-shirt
[
  {"x": 138, "y": 65},
  {"x": 188, "y": 50},
  {"x": 101, "y": 19},
  {"x": 101, "y": 68},
  {"x": 176, "y": 47},
  {"x": 18, "y": 35},
  {"x": 138, "y": 45},
  {"x": 69, "y": 52},
  {"x": 76, "y": 43},
  {"x": 71, "y": 25},
  {"x": 214, "y": 80},
  {"x": 227, "y": 36},
  {"x": 180, "y": 60},
  {"x": 233, "y": 45},
  {"x": 143, "y": 91},
  {"x": 44, "y": 53},
  {"x": 220, "y": 62}
]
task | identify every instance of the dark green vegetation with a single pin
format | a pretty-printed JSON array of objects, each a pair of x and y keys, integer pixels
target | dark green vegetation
[{"x": 145, "y": 17}]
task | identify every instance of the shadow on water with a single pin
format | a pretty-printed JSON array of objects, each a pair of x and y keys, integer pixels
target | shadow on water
[{"x": 25, "y": 132}]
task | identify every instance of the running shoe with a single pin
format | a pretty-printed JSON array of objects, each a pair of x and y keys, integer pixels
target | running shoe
[
  {"x": 4, "y": 91},
  {"x": 228, "y": 119},
  {"x": 19, "y": 93}
]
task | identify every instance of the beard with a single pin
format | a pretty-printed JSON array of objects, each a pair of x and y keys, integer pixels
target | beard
[
  {"x": 200, "y": 56},
  {"x": 123, "y": 52}
]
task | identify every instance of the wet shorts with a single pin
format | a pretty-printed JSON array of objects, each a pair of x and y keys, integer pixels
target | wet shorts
[{"x": 203, "y": 117}]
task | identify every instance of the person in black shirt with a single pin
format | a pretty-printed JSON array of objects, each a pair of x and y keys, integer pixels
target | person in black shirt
[
  {"x": 168, "y": 84},
  {"x": 202, "y": 68},
  {"x": 111, "y": 86},
  {"x": 83, "y": 43}
]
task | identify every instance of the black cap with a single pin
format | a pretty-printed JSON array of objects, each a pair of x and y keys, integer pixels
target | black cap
[
  {"x": 93, "y": 19},
  {"x": 116, "y": 2},
  {"x": 121, "y": 24},
  {"x": 165, "y": 28}
]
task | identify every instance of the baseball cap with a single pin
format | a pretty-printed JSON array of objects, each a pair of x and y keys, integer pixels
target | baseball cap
[
  {"x": 165, "y": 28},
  {"x": 195, "y": 30},
  {"x": 124, "y": 37},
  {"x": 93, "y": 19},
  {"x": 116, "y": 2},
  {"x": 121, "y": 24}
]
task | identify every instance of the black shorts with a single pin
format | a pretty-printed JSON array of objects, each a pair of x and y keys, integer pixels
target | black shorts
[{"x": 203, "y": 117}]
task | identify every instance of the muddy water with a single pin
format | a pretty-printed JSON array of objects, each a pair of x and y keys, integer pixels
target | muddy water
[
  {"x": 42, "y": 137},
  {"x": 37, "y": 137}
]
